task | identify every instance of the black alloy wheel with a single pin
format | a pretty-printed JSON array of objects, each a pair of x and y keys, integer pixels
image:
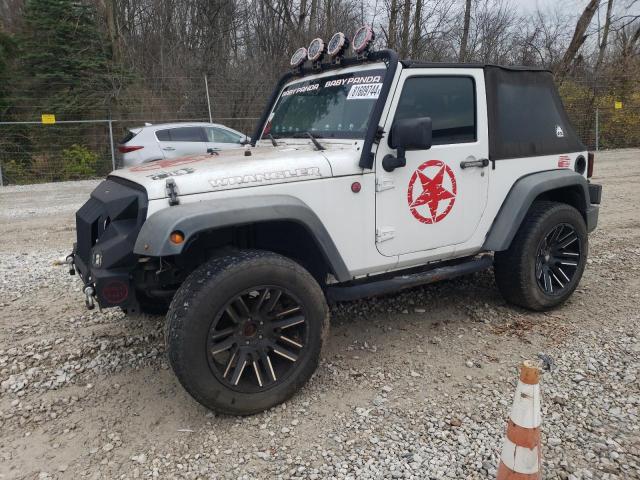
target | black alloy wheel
[
  {"x": 245, "y": 330},
  {"x": 546, "y": 259},
  {"x": 255, "y": 340},
  {"x": 557, "y": 260}
]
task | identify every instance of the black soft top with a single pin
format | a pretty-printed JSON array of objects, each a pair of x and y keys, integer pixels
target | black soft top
[
  {"x": 516, "y": 68},
  {"x": 526, "y": 115}
]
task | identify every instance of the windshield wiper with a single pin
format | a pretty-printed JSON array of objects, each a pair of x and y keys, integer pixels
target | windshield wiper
[
  {"x": 273, "y": 140},
  {"x": 312, "y": 137}
]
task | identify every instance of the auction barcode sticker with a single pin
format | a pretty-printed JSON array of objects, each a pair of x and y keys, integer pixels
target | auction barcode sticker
[{"x": 364, "y": 91}]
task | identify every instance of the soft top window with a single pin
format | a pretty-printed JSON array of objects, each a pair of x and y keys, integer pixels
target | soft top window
[
  {"x": 526, "y": 116},
  {"x": 448, "y": 100}
]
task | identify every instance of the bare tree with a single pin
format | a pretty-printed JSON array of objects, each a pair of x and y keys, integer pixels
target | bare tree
[
  {"x": 605, "y": 36},
  {"x": 465, "y": 32},
  {"x": 393, "y": 21},
  {"x": 417, "y": 27},
  {"x": 579, "y": 36},
  {"x": 406, "y": 27}
]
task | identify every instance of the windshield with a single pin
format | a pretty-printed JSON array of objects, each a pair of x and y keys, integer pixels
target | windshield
[{"x": 337, "y": 106}]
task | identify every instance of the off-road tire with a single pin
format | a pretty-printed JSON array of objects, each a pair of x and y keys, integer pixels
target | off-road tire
[
  {"x": 206, "y": 291},
  {"x": 515, "y": 268}
]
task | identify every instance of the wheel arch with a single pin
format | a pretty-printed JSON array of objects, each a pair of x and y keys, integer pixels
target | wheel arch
[
  {"x": 280, "y": 223},
  {"x": 563, "y": 186}
]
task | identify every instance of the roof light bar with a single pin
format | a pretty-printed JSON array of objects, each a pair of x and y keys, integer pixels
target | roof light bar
[
  {"x": 363, "y": 39},
  {"x": 299, "y": 57},
  {"x": 337, "y": 45},
  {"x": 316, "y": 50}
]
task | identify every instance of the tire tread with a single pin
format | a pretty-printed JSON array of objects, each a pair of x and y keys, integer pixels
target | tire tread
[
  {"x": 196, "y": 286},
  {"x": 510, "y": 266}
]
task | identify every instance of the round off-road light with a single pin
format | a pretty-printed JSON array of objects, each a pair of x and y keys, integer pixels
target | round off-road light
[
  {"x": 299, "y": 57},
  {"x": 316, "y": 49},
  {"x": 337, "y": 45},
  {"x": 363, "y": 38}
]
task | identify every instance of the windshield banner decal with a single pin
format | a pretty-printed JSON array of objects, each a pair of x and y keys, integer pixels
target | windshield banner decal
[
  {"x": 331, "y": 106},
  {"x": 366, "y": 91},
  {"x": 353, "y": 80},
  {"x": 303, "y": 89}
]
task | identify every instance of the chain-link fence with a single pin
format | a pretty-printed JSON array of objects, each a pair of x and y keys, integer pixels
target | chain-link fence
[
  {"x": 35, "y": 152},
  {"x": 72, "y": 148},
  {"x": 82, "y": 140}
]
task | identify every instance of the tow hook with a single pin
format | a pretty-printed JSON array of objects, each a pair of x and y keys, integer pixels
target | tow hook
[
  {"x": 90, "y": 296},
  {"x": 69, "y": 261}
]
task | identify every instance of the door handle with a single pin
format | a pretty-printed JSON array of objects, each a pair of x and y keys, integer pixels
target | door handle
[
  {"x": 169, "y": 149},
  {"x": 482, "y": 163}
]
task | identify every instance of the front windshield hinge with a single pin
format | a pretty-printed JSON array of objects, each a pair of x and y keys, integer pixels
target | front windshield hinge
[{"x": 379, "y": 134}]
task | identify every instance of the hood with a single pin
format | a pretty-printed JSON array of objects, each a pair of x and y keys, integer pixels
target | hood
[{"x": 232, "y": 169}]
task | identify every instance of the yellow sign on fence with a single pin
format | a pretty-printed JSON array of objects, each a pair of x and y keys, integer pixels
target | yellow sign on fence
[
  {"x": 618, "y": 105},
  {"x": 48, "y": 118}
]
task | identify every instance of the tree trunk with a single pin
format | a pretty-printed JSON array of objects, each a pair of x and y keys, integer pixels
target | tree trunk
[
  {"x": 605, "y": 36},
  {"x": 417, "y": 30},
  {"x": 462, "y": 57},
  {"x": 627, "y": 49},
  {"x": 393, "y": 20},
  {"x": 579, "y": 36},
  {"x": 112, "y": 28},
  {"x": 302, "y": 15},
  {"x": 406, "y": 19},
  {"x": 313, "y": 16}
]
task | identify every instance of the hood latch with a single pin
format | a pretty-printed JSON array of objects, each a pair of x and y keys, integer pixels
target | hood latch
[{"x": 172, "y": 192}]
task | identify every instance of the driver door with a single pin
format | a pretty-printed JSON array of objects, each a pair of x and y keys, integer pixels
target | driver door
[{"x": 439, "y": 197}]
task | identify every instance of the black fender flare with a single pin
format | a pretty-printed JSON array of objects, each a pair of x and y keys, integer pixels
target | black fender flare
[
  {"x": 192, "y": 218},
  {"x": 523, "y": 193}
]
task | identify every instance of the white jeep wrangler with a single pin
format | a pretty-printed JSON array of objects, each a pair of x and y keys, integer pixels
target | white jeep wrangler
[{"x": 367, "y": 175}]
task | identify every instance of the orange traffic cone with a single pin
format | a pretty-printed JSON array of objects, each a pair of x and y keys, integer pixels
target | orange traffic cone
[{"x": 521, "y": 454}]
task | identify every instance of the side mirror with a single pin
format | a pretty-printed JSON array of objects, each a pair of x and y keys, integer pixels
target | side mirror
[{"x": 407, "y": 134}]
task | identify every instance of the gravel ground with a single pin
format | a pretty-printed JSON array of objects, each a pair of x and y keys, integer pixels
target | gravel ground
[{"x": 414, "y": 385}]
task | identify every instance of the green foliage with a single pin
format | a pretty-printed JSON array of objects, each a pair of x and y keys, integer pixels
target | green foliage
[
  {"x": 73, "y": 163},
  {"x": 61, "y": 64},
  {"x": 619, "y": 128},
  {"x": 7, "y": 51},
  {"x": 78, "y": 162},
  {"x": 65, "y": 59}
]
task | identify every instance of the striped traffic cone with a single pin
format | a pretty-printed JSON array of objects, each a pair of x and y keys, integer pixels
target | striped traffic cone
[{"x": 521, "y": 454}]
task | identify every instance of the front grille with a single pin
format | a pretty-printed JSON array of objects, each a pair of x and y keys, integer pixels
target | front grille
[{"x": 110, "y": 221}]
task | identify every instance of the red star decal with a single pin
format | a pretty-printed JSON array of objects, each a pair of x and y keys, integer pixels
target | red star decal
[{"x": 433, "y": 191}]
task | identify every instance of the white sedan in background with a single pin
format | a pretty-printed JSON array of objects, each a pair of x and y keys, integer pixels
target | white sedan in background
[{"x": 172, "y": 140}]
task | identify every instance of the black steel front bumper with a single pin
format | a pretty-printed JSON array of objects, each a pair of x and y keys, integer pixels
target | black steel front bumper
[
  {"x": 106, "y": 287},
  {"x": 107, "y": 226}
]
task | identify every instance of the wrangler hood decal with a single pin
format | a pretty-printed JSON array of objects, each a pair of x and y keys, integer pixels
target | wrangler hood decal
[{"x": 231, "y": 169}]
